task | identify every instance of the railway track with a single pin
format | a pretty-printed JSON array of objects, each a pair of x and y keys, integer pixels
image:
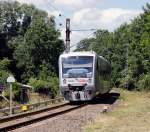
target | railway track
[{"x": 17, "y": 121}]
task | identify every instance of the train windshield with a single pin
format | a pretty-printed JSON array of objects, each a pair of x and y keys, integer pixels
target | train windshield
[{"x": 77, "y": 67}]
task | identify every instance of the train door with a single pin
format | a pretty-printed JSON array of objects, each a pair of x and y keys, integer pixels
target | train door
[{"x": 96, "y": 76}]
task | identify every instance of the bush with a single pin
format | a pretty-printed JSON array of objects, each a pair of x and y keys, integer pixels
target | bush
[
  {"x": 4, "y": 64},
  {"x": 3, "y": 77},
  {"x": 54, "y": 85},
  {"x": 127, "y": 83},
  {"x": 4, "y": 70},
  {"x": 15, "y": 91},
  {"x": 36, "y": 83},
  {"x": 48, "y": 86},
  {"x": 144, "y": 82}
]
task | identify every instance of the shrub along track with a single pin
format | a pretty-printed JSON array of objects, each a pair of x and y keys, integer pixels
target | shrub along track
[{"x": 17, "y": 121}]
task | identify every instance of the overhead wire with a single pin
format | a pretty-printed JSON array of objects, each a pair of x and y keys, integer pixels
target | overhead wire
[
  {"x": 60, "y": 15},
  {"x": 64, "y": 16},
  {"x": 89, "y": 35},
  {"x": 82, "y": 30}
]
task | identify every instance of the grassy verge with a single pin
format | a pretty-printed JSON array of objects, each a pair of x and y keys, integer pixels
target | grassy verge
[{"x": 132, "y": 115}]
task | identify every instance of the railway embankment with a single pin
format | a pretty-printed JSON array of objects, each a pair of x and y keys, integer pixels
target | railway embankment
[
  {"x": 131, "y": 115},
  {"x": 74, "y": 121}
]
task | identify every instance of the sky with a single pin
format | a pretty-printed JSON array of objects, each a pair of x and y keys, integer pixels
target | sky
[{"x": 89, "y": 14}]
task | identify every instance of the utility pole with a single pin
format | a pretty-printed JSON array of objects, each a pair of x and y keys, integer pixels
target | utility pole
[
  {"x": 67, "y": 46},
  {"x": 10, "y": 80},
  {"x": 10, "y": 98}
]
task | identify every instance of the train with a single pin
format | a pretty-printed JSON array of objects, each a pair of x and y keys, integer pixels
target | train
[{"x": 83, "y": 75}]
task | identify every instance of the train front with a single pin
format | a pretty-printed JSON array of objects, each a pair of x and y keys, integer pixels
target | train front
[{"x": 76, "y": 73}]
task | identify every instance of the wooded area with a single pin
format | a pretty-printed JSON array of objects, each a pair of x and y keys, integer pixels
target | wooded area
[
  {"x": 128, "y": 50},
  {"x": 30, "y": 46}
]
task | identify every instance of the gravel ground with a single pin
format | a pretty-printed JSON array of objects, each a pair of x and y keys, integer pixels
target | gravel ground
[{"x": 75, "y": 120}]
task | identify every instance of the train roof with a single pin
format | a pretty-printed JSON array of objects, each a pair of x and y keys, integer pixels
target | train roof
[
  {"x": 101, "y": 57},
  {"x": 82, "y": 53}
]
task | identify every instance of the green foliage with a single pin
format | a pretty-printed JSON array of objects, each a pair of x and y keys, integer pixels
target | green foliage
[
  {"x": 3, "y": 77},
  {"x": 4, "y": 73},
  {"x": 29, "y": 39},
  {"x": 40, "y": 46},
  {"x": 4, "y": 64},
  {"x": 45, "y": 82},
  {"x": 48, "y": 86},
  {"x": 144, "y": 82},
  {"x": 37, "y": 84},
  {"x": 16, "y": 91},
  {"x": 127, "y": 48},
  {"x": 54, "y": 85}
]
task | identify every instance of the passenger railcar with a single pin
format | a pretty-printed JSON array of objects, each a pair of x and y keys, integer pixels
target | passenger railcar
[{"x": 83, "y": 75}]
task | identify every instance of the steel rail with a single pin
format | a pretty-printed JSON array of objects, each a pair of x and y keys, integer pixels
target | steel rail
[
  {"x": 32, "y": 106},
  {"x": 21, "y": 115},
  {"x": 30, "y": 120}
]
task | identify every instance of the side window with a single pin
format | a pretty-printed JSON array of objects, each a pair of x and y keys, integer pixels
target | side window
[{"x": 97, "y": 65}]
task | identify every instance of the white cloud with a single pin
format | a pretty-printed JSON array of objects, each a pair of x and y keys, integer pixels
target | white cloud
[
  {"x": 35, "y": 2},
  {"x": 84, "y": 14},
  {"x": 108, "y": 18},
  {"x": 100, "y": 19},
  {"x": 63, "y": 4},
  {"x": 76, "y": 4},
  {"x": 41, "y": 4},
  {"x": 46, "y": 5},
  {"x": 77, "y": 36},
  {"x": 54, "y": 13}
]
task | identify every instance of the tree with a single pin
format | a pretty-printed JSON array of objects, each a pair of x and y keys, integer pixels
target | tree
[
  {"x": 127, "y": 48},
  {"x": 29, "y": 39},
  {"x": 40, "y": 46},
  {"x": 4, "y": 72}
]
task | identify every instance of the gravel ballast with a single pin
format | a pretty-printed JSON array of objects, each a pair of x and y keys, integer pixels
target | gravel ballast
[{"x": 75, "y": 120}]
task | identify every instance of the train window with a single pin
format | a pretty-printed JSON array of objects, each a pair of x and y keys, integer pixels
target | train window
[
  {"x": 77, "y": 67},
  {"x": 97, "y": 65}
]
